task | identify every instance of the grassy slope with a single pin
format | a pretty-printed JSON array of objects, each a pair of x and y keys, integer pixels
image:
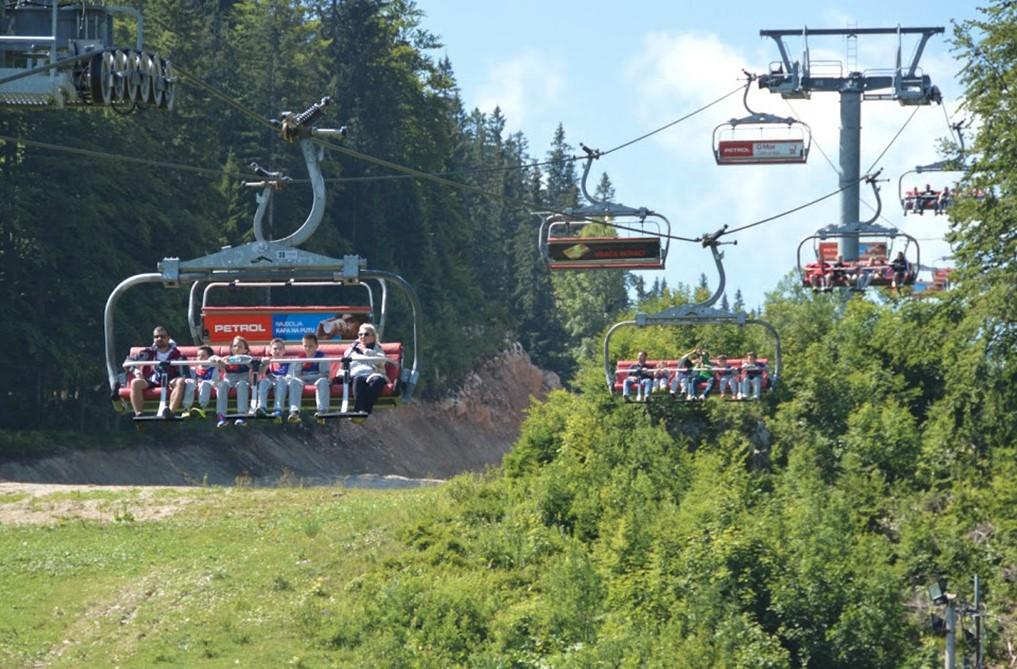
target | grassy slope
[{"x": 237, "y": 577}]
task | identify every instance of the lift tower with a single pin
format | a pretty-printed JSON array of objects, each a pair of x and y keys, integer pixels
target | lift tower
[{"x": 904, "y": 83}]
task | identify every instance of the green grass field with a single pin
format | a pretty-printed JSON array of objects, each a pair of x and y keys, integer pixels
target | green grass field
[{"x": 200, "y": 577}]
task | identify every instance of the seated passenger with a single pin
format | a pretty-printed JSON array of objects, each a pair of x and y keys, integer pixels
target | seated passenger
[
  {"x": 661, "y": 379},
  {"x": 819, "y": 278},
  {"x": 162, "y": 350},
  {"x": 900, "y": 268},
  {"x": 926, "y": 199},
  {"x": 641, "y": 376},
  {"x": 839, "y": 272},
  {"x": 911, "y": 200},
  {"x": 752, "y": 377},
  {"x": 312, "y": 373},
  {"x": 944, "y": 200},
  {"x": 273, "y": 377},
  {"x": 702, "y": 374},
  {"x": 728, "y": 378},
  {"x": 203, "y": 379},
  {"x": 237, "y": 373},
  {"x": 367, "y": 368},
  {"x": 682, "y": 376},
  {"x": 873, "y": 266}
]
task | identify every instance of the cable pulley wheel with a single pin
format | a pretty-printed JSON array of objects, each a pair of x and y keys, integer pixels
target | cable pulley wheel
[
  {"x": 158, "y": 81},
  {"x": 133, "y": 77},
  {"x": 119, "y": 76},
  {"x": 145, "y": 79}
]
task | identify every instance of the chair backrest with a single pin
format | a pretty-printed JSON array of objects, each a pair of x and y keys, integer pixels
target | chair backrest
[{"x": 261, "y": 324}]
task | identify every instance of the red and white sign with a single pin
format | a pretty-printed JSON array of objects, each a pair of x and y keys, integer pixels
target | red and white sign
[
  {"x": 828, "y": 251},
  {"x": 223, "y": 327},
  {"x": 760, "y": 152}
]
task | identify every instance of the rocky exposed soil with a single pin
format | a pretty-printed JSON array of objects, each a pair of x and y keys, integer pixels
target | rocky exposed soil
[{"x": 467, "y": 431}]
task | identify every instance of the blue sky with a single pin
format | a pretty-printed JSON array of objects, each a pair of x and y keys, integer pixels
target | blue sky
[{"x": 611, "y": 71}]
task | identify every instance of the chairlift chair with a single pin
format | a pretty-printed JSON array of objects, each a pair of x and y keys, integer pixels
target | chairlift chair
[
  {"x": 642, "y": 241},
  {"x": 702, "y": 313},
  {"x": 761, "y": 139},
  {"x": 915, "y": 200},
  {"x": 871, "y": 268}
]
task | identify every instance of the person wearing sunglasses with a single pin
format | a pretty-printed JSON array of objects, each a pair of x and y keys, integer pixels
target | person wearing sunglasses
[
  {"x": 163, "y": 349},
  {"x": 367, "y": 368}
]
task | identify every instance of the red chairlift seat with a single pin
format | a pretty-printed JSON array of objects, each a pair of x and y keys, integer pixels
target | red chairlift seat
[
  {"x": 389, "y": 396},
  {"x": 622, "y": 371}
]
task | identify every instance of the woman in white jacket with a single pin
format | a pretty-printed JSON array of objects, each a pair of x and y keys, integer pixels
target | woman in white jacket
[{"x": 367, "y": 368}]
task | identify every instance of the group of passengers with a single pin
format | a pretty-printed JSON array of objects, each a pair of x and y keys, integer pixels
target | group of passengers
[
  {"x": 918, "y": 201},
  {"x": 694, "y": 377},
  {"x": 241, "y": 372},
  {"x": 825, "y": 276}
]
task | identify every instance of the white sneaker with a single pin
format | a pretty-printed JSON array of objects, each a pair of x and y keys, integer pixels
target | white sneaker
[{"x": 702, "y": 397}]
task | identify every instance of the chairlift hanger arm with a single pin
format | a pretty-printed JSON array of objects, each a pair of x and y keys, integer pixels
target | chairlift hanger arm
[
  {"x": 873, "y": 180},
  {"x": 755, "y": 117}
]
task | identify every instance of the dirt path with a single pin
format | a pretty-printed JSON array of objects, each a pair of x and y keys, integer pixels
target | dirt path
[{"x": 41, "y": 503}]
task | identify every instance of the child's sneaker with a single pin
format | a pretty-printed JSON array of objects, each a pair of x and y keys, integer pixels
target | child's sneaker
[
  {"x": 240, "y": 422},
  {"x": 260, "y": 413},
  {"x": 222, "y": 421},
  {"x": 198, "y": 412},
  {"x": 294, "y": 417}
]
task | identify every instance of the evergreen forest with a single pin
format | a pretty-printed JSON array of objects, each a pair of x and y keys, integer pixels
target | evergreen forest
[{"x": 799, "y": 531}]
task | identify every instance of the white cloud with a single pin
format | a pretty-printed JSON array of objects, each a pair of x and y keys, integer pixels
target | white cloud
[{"x": 530, "y": 76}]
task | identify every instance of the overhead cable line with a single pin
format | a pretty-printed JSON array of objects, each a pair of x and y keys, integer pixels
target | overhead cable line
[
  {"x": 420, "y": 174},
  {"x": 883, "y": 153},
  {"x": 128, "y": 159},
  {"x": 673, "y": 123},
  {"x": 796, "y": 209}
]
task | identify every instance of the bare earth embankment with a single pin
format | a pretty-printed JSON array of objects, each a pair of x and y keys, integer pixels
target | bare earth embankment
[{"x": 468, "y": 431}]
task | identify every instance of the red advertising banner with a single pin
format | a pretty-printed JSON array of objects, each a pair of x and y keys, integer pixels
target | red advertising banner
[
  {"x": 261, "y": 324},
  {"x": 868, "y": 250},
  {"x": 828, "y": 251},
  {"x": 221, "y": 328},
  {"x": 762, "y": 152}
]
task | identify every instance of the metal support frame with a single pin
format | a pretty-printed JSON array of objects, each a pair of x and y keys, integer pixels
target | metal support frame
[
  {"x": 909, "y": 87},
  {"x": 701, "y": 313}
]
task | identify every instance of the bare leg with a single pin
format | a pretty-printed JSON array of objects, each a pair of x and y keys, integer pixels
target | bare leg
[
  {"x": 138, "y": 386},
  {"x": 176, "y": 393}
]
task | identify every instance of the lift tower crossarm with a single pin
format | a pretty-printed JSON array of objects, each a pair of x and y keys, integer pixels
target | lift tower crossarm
[{"x": 906, "y": 86}]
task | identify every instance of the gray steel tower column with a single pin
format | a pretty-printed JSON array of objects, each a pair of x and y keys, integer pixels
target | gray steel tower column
[{"x": 850, "y": 163}]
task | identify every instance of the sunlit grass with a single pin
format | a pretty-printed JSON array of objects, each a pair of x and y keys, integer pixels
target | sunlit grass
[{"x": 235, "y": 577}]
